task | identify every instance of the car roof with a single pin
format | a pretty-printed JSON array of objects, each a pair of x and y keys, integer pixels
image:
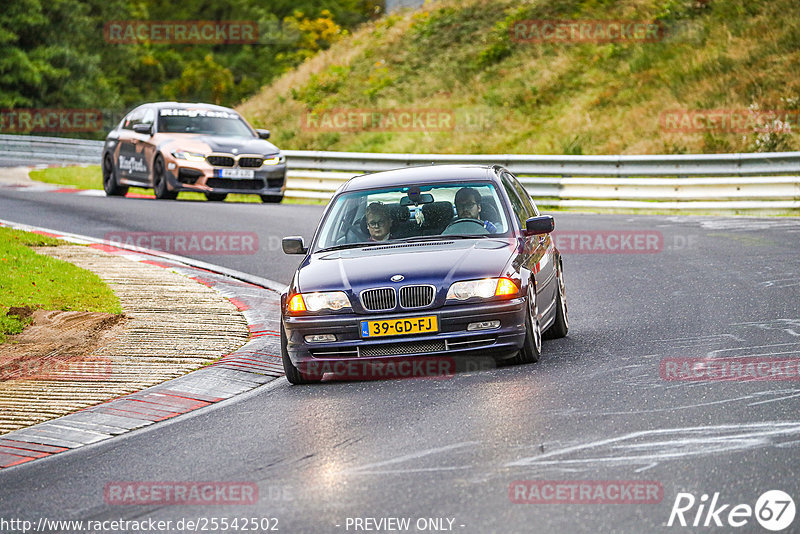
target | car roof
[
  {"x": 188, "y": 105},
  {"x": 429, "y": 174}
]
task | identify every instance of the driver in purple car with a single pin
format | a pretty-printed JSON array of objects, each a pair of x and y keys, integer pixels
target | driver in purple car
[
  {"x": 468, "y": 206},
  {"x": 379, "y": 222}
]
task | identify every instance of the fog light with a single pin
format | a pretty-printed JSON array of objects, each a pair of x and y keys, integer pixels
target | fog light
[
  {"x": 320, "y": 338},
  {"x": 483, "y": 325},
  {"x": 171, "y": 166}
]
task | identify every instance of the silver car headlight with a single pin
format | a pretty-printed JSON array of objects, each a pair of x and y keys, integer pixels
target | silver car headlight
[
  {"x": 189, "y": 156},
  {"x": 275, "y": 159}
]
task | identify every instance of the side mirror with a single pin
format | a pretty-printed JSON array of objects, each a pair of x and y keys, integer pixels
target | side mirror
[
  {"x": 263, "y": 134},
  {"x": 543, "y": 224},
  {"x": 293, "y": 245},
  {"x": 143, "y": 129}
]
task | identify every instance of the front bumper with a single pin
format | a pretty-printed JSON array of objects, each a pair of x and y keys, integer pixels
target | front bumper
[
  {"x": 452, "y": 339},
  {"x": 203, "y": 178}
]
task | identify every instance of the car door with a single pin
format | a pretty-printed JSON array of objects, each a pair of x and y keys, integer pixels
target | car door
[
  {"x": 538, "y": 255},
  {"x": 145, "y": 144},
  {"x": 131, "y": 162}
]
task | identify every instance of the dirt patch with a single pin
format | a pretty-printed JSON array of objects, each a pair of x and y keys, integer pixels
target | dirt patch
[
  {"x": 60, "y": 345},
  {"x": 22, "y": 312}
]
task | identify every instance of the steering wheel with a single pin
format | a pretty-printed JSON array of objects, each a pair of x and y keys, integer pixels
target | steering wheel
[{"x": 465, "y": 225}]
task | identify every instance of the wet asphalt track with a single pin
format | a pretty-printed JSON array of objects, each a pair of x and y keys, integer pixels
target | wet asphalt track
[{"x": 594, "y": 408}]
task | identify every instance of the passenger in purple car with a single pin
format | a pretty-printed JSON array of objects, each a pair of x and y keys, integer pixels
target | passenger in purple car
[{"x": 468, "y": 206}]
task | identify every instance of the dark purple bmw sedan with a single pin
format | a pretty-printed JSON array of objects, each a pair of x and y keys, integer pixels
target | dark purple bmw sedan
[{"x": 423, "y": 262}]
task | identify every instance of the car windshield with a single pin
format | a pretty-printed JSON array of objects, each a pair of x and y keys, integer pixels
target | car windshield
[
  {"x": 201, "y": 121},
  {"x": 451, "y": 210}
]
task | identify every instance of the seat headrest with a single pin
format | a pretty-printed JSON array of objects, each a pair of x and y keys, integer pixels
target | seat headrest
[{"x": 438, "y": 212}]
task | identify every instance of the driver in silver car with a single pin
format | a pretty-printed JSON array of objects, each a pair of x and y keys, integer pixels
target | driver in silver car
[{"x": 468, "y": 206}]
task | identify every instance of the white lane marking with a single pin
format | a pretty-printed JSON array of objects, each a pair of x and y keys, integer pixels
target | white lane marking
[
  {"x": 774, "y": 400},
  {"x": 791, "y": 281},
  {"x": 746, "y": 351},
  {"x": 792, "y": 393},
  {"x": 411, "y": 470},
  {"x": 789, "y": 325},
  {"x": 710, "y": 338},
  {"x": 744, "y": 224},
  {"x": 645, "y": 468},
  {"x": 680, "y": 443},
  {"x": 413, "y": 456}
]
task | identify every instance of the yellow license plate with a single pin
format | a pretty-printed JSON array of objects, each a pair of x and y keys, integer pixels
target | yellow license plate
[{"x": 400, "y": 327}]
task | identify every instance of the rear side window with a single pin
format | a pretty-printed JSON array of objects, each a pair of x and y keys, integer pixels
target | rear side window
[
  {"x": 520, "y": 212},
  {"x": 523, "y": 195}
]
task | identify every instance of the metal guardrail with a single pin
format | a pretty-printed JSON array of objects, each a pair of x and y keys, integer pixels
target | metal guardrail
[
  {"x": 670, "y": 165},
  {"x": 50, "y": 149},
  {"x": 762, "y": 181}
]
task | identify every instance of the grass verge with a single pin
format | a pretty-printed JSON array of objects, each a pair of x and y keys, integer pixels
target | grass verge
[
  {"x": 38, "y": 281},
  {"x": 503, "y": 94}
]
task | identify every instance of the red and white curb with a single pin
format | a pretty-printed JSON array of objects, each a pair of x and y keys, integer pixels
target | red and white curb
[{"x": 254, "y": 364}]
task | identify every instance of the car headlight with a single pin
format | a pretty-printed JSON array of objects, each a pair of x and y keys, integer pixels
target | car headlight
[
  {"x": 485, "y": 288},
  {"x": 314, "y": 302},
  {"x": 274, "y": 160},
  {"x": 189, "y": 156}
]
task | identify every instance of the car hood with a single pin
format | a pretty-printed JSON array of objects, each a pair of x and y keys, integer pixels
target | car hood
[
  {"x": 219, "y": 143},
  {"x": 436, "y": 263}
]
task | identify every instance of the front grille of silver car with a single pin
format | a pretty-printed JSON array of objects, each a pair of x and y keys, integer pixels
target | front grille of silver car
[
  {"x": 226, "y": 183},
  {"x": 416, "y": 296},
  {"x": 250, "y": 162},
  {"x": 396, "y": 349},
  {"x": 379, "y": 299},
  {"x": 220, "y": 161}
]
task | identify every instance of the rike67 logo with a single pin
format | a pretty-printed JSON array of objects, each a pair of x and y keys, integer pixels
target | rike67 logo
[{"x": 774, "y": 510}]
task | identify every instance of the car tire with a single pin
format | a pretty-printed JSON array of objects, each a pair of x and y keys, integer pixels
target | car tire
[
  {"x": 216, "y": 197},
  {"x": 271, "y": 199},
  {"x": 293, "y": 374},
  {"x": 160, "y": 181},
  {"x": 532, "y": 346},
  {"x": 110, "y": 185},
  {"x": 560, "y": 326}
]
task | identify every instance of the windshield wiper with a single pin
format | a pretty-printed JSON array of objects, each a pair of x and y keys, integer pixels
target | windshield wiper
[
  {"x": 352, "y": 245},
  {"x": 442, "y": 237}
]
